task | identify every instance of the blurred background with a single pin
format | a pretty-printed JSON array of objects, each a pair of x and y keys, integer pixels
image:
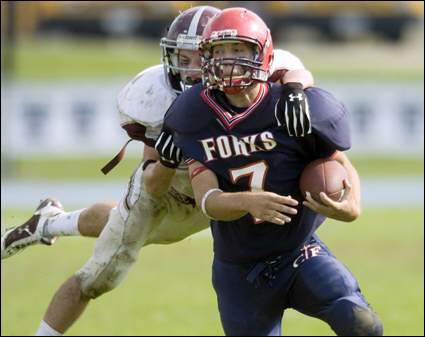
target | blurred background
[{"x": 64, "y": 62}]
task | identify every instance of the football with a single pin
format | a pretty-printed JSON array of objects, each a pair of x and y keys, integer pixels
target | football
[{"x": 323, "y": 175}]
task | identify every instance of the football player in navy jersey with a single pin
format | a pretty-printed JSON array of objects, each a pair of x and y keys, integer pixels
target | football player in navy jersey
[
  {"x": 158, "y": 205},
  {"x": 244, "y": 169}
]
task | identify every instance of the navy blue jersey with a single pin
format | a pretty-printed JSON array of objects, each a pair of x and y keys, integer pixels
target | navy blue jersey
[{"x": 250, "y": 151}]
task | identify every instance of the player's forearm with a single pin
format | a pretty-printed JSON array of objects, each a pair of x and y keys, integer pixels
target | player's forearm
[
  {"x": 226, "y": 206},
  {"x": 302, "y": 76},
  {"x": 266, "y": 206},
  {"x": 157, "y": 179},
  {"x": 354, "y": 180},
  {"x": 218, "y": 205}
]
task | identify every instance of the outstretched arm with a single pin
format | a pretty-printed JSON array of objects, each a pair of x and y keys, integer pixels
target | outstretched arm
[
  {"x": 225, "y": 206},
  {"x": 156, "y": 177}
]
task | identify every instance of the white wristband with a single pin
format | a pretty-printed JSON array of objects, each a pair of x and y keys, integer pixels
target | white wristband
[{"x": 204, "y": 200}]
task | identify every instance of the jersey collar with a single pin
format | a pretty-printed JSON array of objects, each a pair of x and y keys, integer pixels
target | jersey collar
[{"x": 228, "y": 120}]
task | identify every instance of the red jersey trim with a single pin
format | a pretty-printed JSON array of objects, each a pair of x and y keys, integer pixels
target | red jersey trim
[{"x": 229, "y": 120}]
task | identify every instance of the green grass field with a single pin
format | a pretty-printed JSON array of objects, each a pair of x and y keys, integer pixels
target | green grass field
[
  {"x": 65, "y": 58},
  {"x": 169, "y": 290},
  {"x": 64, "y": 169}
]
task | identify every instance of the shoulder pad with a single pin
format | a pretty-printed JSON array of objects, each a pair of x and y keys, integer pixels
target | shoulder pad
[
  {"x": 330, "y": 118},
  {"x": 324, "y": 105},
  {"x": 146, "y": 98}
]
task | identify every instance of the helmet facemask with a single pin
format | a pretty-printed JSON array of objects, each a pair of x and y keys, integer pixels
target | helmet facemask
[
  {"x": 243, "y": 71},
  {"x": 184, "y": 33},
  {"x": 170, "y": 59}
]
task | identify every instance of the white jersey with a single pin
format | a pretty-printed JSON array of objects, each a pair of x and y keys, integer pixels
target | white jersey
[
  {"x": 284, "y": 60},
  {"x": 145, "y": 100},
  {"x": 147, "y": 97}
]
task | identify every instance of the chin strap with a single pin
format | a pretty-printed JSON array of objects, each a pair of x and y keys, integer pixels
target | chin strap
[
  {"x": 114, "y": 161},
  {"x": 135, "y": 131}
]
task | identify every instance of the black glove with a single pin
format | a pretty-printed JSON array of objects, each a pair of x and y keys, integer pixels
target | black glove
[
  {"x": 292, "y": 110},
  {"x": 169, "y": 155}
]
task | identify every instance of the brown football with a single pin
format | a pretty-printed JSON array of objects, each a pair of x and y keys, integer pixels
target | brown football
[{"x": 323, "y": 175}]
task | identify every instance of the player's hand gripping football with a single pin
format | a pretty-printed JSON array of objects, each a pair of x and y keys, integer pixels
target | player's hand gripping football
[
  {"x": 271, "y": 207},
  {"x": 169, "y": 154},
  {"x": 292, "y": 111},
  {"x": 343, "y": 210}
]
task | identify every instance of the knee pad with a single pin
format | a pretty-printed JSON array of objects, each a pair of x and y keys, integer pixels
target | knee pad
[
  {"x": 348, "y": 318},
  {"x": 97, "y": 279},
  {"x": 113, "y": 256}
]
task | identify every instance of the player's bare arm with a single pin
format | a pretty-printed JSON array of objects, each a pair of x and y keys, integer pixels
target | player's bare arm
[
  {"x": 223, "y": 206},
  {"x": 349, "y": 208},
  {"x": 288, "y": 68},
  {"x": 157, "y": 177},
  {"x": 302, "y": 76}
]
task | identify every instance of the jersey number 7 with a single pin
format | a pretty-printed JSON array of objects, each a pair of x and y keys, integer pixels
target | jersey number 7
[{"x": 256, "y": 172}]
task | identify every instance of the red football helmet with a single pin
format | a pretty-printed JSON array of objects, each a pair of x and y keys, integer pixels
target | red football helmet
[
  {"x": 185, "y": 32},
  {"x": 239, "y": 25}
]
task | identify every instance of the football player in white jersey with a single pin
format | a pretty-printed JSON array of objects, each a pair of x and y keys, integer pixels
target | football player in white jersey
[{"x": 158, "y": 206}]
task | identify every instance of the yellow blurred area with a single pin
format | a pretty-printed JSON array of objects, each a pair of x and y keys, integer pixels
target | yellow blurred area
[
  {"x": 324, "y": 8},
  {"x": 31, "y": 13}
]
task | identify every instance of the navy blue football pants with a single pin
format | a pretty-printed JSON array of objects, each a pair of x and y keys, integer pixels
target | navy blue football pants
[{"x": 252, "y": 298}]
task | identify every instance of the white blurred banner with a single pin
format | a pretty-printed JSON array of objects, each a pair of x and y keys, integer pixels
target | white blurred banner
[{"x": 68, "y": 119}]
